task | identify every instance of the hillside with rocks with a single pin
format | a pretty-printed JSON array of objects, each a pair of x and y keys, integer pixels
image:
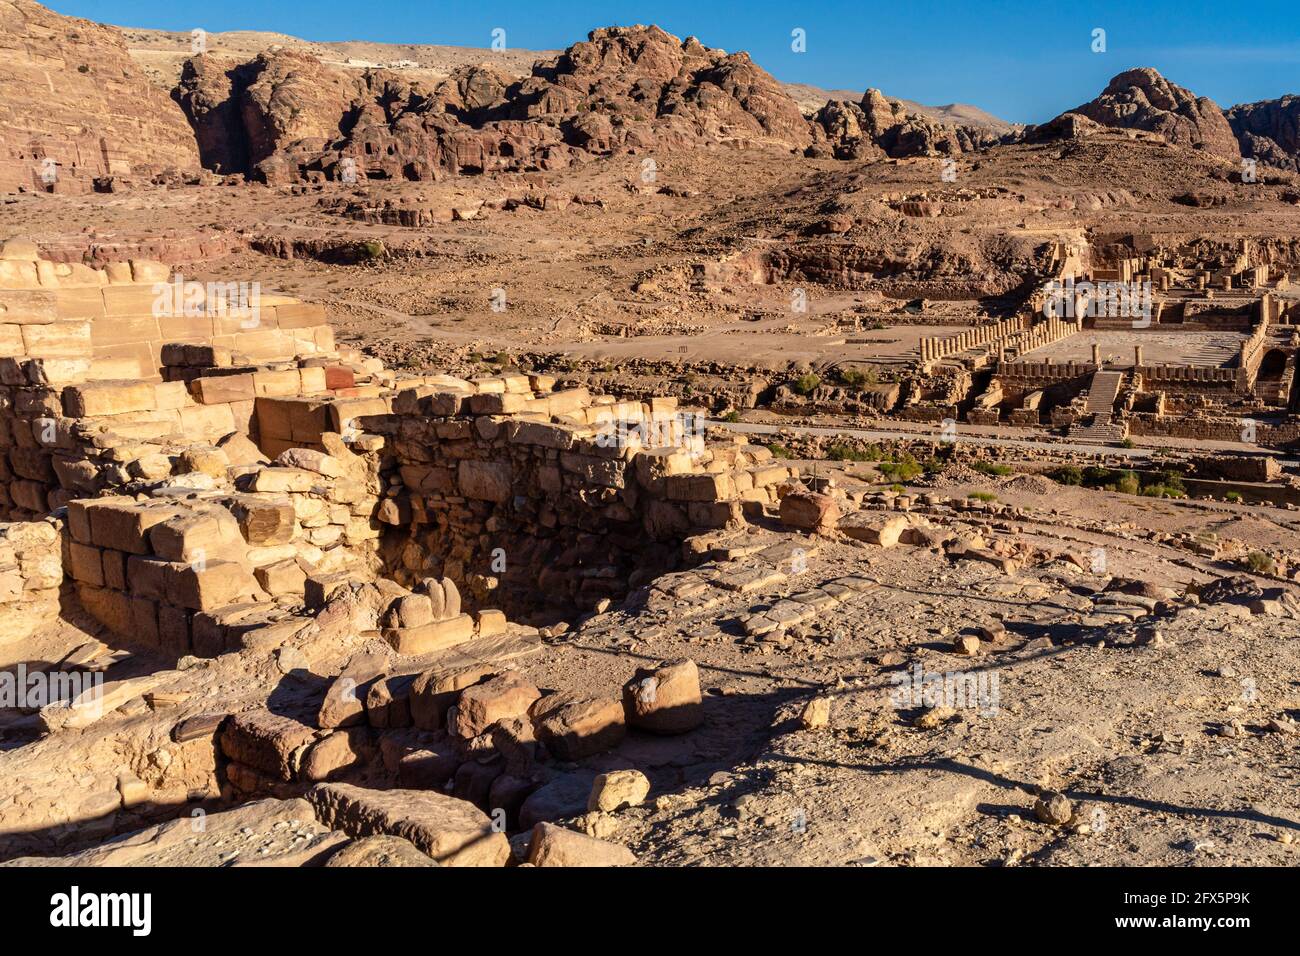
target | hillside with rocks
[{"x": 1269, "y": 131}]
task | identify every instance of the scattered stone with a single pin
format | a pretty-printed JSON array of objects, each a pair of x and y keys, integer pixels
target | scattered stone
[
  {"x": 557, "y": 846},
  {"x": 618, "y": 789}
]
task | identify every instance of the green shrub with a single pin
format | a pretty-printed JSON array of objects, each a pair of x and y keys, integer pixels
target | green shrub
[
  {"x": 805, "y": 384},
  {"x": 985, "y": 496},
  {"x": 1234, "y": 497},
  {"x": 989, "y": 468},
  {"x": 1067, "y": 475},
  {"x": 1260, "y": 563},
  {"x": 840, "y": 451},
  {"x": 370, "y": 249},
  {"x": 731, "y": 416},
  {"x": 905, "y": 469},
  {"x": 856, "y": 378},
  {"x": 1163, "y": 491},
  {"x": 1128, "y": 483},
  {"x": 779, "y": 451}
]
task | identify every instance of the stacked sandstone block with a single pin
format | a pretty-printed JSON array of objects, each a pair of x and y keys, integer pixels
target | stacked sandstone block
[
  {"x": 478, "y": 732},
  {"x": 429, "y": 619},
  {"x": 191, "y": 571},
  {"x": 31, "y": 574},
  {"x": 96, "y": 376},
  {"x": 123, "y": 314}
]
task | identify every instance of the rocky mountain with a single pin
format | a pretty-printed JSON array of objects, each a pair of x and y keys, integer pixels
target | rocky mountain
[
  {"x": 1142, "y": 99},
  {"x": 88, "y": 101},
  {"x": 75, "y": 108},
  {"x": 295, "y": 117},
  {"x": 878, "y": 126},
  {"x": 812, "y": 98},
  {"x": 1269, "y": 131}
]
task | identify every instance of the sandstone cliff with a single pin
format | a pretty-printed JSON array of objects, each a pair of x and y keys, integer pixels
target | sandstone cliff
[
  {"x": 74, "y": 107},
  {"x": 878, "y": 126},
  {"x": 286, "y": 116},
  {"x": 1269, "y": 131}
]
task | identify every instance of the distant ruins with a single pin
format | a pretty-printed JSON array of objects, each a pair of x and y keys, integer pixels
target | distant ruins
[{"x": 1212, "y": 352}]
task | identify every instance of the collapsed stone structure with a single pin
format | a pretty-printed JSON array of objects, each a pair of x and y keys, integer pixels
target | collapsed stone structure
[
  {"x": 264, "y": 449},
  {"x": 205, "y": 473}
]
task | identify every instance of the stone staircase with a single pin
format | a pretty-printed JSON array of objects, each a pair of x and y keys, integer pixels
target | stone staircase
[{"x": 1100, "y": 409}]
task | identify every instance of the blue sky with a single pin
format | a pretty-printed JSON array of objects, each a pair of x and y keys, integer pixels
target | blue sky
[{"x": 1023, "y": 61}]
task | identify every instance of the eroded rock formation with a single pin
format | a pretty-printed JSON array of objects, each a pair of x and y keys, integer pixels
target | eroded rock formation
[
  {"x": 878, "y": 127},
  {"x": 1269, "y": 131},
  {"x": 1142, "y": 99}
]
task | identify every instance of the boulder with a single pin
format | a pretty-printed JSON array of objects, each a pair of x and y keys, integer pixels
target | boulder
[
  {"x": 552, "y": 845},
  {"x": 453, "y": 832},
  {"x": 666, "y": 699}
]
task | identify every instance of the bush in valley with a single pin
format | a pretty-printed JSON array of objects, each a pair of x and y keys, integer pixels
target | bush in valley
[
  {"x": 841, "y": 451},
  {"x": 1067, "y": 475},
  {"x": 904, "y": 469},
  {"x": 857, "y": 378},
  {"x": 805, "y": 384}
]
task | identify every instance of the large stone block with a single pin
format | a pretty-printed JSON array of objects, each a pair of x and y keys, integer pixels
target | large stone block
[
  {"x": 507, "y": 695},
  {"x": 665, "y": 700},
  {"x": 271, "y": 743},
  {"x": 454, "y": 832},
  {"x": 576, "y": 728},
  {"x": 440, "y": 635},
  {"x": 108, "y": 398}
]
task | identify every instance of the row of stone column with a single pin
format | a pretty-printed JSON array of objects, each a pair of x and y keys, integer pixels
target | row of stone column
[{"x": 935, "y": 347}]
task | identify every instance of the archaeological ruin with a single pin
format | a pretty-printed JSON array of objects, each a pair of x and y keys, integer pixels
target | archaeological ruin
[{"x": 613, "y": 455}]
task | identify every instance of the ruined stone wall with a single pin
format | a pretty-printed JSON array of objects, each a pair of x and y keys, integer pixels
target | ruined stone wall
[
  {"x": 1056, "y": 384},
  {"x": 226, "y": 472},
  {"x": 521, "y": 492},
  {"x": 191, "y": 571},
  {"x": 1188, "y": 379},
  {"x": 1266, "y": 434},
  {"x": 31, "y": 575},
  {"x": 108, "y": 376}
]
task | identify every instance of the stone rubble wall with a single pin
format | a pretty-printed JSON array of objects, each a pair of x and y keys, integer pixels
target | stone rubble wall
[
  {"x": 226, "y": 471},
  {"x": 191, "y": 572},
  {"x": 511, "y": 485},
  {"x": 31, "y": 576}
]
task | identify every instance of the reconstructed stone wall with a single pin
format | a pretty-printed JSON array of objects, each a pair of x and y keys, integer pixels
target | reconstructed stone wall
[
  {"x": 189, "y": 572},
  {"x": 226, "y": 472},
  {"x": 1266, "y": 434}
]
